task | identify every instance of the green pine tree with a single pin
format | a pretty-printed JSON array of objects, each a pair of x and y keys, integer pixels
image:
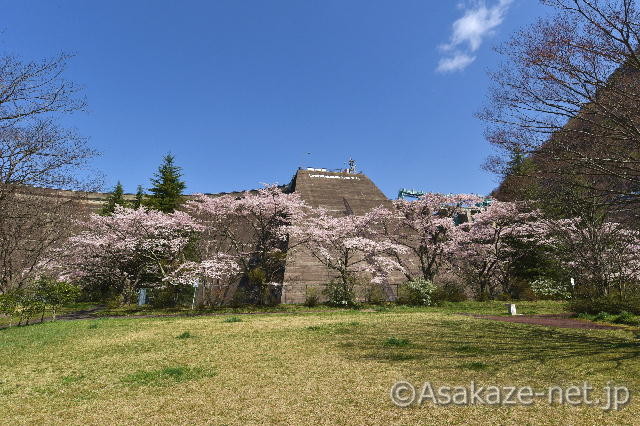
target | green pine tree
[
  {"x": 139, "y": 198},
  {"x": 167, "y": 188},
  {"x": 115, "y": 198}
]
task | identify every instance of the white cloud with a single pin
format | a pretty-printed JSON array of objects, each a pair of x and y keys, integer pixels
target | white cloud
[
  {"x": 468, "y": 32},
  {"x": 457, "y": 62}
]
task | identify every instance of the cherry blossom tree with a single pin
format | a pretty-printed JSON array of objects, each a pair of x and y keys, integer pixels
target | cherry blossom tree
[
  {"x": 602, "y": 256},
  {"x": 350, "y": 246},
  {"x": 424, "y": 229},
  {"x": 482, "y": 249},
  {"x": 252, "y": 229},
  {"x": 139, "y": 248}
]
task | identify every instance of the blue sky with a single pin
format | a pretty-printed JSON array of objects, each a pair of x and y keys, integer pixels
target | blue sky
[{"x": 241, "y": 91}]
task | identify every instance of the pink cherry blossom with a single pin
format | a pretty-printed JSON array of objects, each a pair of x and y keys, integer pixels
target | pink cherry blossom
[
  {"x": 252, "y": 228},
  {"x": 136, "y": 248},
  {"x": 481, "y": 249},
  {"x": 348, "y": 245},
  {"x": 424, "y": 229}
]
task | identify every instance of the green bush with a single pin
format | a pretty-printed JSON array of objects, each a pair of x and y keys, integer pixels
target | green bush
[
  {"x": 547, "y": 288},
  {"x": 55, "y": 294},
  {"x": 623, "y": 318},
  {"x": 26, "y": 303},
  {"x": 374, "y": 294},
  {"x": 8, "y": 303},
  {"x": 603, "y": 316},
  {"x": 449, "y": 292},
  {"x": 340, "y": 293},
  {"x": 504, "y": 297},
  {"x": 115, "y": 301},
  {"x": 419, "y": 293},
  {"x": 257, "y": 276},
  {"x": 23, "y": 303},
  {"x": 170, "y": 296},
  {"x": 611, "y": 304},
  {"x": 312, "y": 297},
  {"x": 626, "y": 317},
  {"x": 240, "y": 298}
]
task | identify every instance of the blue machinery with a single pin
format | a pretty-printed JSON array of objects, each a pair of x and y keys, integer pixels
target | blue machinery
[
  {"x": 409, "y": 193},
  {"x": 468, "y": 211}
]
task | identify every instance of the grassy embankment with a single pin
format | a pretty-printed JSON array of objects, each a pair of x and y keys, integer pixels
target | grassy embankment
[{"x": 302, "y": 368}]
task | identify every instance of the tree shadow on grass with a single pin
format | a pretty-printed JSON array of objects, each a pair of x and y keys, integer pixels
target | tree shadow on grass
[{"x": 499, "y": 346}]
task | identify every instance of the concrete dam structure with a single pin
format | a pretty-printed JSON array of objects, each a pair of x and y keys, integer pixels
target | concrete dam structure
[{"x": 343, "y": 193}]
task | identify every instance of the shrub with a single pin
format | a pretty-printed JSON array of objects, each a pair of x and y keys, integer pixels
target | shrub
[
  {"x": 602, "y": 316},
  {"x": 28, "y": 303},
  {"x": 626, "y": 317},
  {"x": 374, "y": 294},
  {"x": 504, "y": 297},
  {"x": 8, "y": 303},
  {"x": 171, "y": 296},
  {"x": 550, "y": 289},
  {"x": 240, "y": 298},
  {"x": 312, "y": 297},
  {"x": 449, "y": 292},
  {"x": 257, "y": 276},
  {"x": 115, "y": 301},
  {"x": 232, "y": 319},
  {"x": 418, "y": 292},
  {"x": 612, "y": 304},
  {"x": 341, "y": 294},
  {"x": 55, "y": 294},
  {"x": 162, "y": 298},
  {"x": 44, "y": 293},
  {"x": 623, "y": 318}
]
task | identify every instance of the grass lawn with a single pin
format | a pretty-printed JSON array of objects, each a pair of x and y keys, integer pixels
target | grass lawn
[
  {"x": 303, "y": 368},
  {"x": 492, "y": 307}
]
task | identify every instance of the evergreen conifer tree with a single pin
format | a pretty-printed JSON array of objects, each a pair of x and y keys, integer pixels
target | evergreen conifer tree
[
  {"x": 139, "y": 198},
  {"x": 115, "y": 198},
  {"x": 167, "y": 188}
]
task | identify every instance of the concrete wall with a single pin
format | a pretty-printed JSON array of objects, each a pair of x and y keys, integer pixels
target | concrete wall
[{"x": 341, "y": 193}]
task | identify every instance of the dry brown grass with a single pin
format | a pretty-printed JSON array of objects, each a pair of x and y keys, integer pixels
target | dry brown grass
[{"x": 320, "y": 368}]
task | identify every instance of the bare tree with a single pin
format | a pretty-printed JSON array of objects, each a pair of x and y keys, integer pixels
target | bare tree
[
  {"x": 35, "y": 151},
  {"x": 32, "y": 222},
  {"x": 37, "y": 88},
  {"x": 567, "y": 101}
]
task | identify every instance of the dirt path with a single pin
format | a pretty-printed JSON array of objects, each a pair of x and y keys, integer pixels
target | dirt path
[
  {"x": 81, "y": 314},
  {"x": 550, "y": 320}
]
